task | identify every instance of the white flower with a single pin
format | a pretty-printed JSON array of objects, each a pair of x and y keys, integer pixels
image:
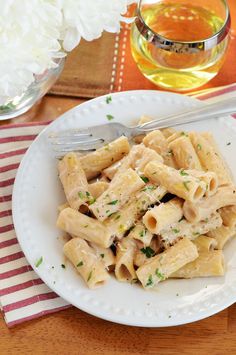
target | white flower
[{"x": 34, "y": 33}]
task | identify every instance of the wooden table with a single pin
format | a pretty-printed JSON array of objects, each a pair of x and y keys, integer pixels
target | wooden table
[{"x": 75, "y": 332}]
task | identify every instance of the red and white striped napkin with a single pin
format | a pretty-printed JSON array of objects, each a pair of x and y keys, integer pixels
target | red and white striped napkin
[{"x": 23, "y": 296}]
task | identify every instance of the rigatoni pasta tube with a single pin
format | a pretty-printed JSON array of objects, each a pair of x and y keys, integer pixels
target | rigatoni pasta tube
[
  {"x": 137, "y": 159},
  {"x": 161, "y": 266},
  {"x": 209, "y": 158},
  {"x": 167, "y": 132},
  {"x": 123, "y": 220},
  {"x": 97, "y": 188},
  {"x": 228, "y": 215},
  {"x": 190, "y": 230},
  {"x": 144, "y": 252},
  {"x": 140, "y": 232},
  {"x": 87, "y": 264},
  {"x": 117, "y": 194},
  {"x": 104, "y": 254},
  {"x": 209, "y": 178},
  {"x": 195, "y": 212},
  {"x": 184, "y": 153},
  {"x": 157, "y": 141},
  {"x": 93, "y": 163},
  {"x": 209, "y": 263},
  {"x": 222, "y": 235},
  {"x": 73, "y": 180},
  {"x": 162, "y": 216},
  {"x": 204, "y": 243},
  {"x": 80, "y": 225},
  {"x": 186, "y": 187},
  {"x": 125, "y": 252},
  {"x": 209, "y": 137}
]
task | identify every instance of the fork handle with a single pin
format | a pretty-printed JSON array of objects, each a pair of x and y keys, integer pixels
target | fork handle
[{"x": 207, "y": 111}]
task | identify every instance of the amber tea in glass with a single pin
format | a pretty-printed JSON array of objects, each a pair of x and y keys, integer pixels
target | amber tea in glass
[{"x": 180, "y": 44}]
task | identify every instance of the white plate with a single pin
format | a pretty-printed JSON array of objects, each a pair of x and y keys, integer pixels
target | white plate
[{"x": 37, "y": 193}]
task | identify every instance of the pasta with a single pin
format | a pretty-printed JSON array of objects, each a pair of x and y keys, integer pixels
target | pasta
[
  {"x": 137, "y": 159},
  {"x": 222, "y": 235},
  {"x": 209, "y": 158},
  {"x": 122, "y": 221},
  {"x": 95, "y": 162},
  {"x": 157, "y": 141},
  {"x": 124, "y": 268},
  {"x": 190, "y": 230},
  {"x": 175, "y": 181},
  {"x": 209, "y": 263},
  {"x": 162, "y": 216},
  {"x": 86, "y": 262},
  {"x": 195, "y": 212},
  {"x": 74, "y": 181},
  {"x": 139, "y": 232},
  {"x": 160, "y": 267},
  {"x": 228, "y": 215},
  {"x": 97, "y": 188},
  {"x": 163, "y": 208},
  {"x": 184, "y": 153},
  {"x": 209, "y": 178},
  {"x": 205, "y": 243},
  {"x": 80, "y": 225},
  {"x": 117, "y": 194}
]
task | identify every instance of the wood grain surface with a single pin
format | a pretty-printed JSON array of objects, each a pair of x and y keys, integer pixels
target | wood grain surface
[{"x": 75, "y": 332}]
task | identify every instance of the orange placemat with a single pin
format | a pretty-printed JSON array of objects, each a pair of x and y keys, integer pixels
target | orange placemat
[{"x": 106, "y": 65}]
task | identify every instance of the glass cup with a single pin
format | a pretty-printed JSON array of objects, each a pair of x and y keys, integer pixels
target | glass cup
[
  {"x": 180, "y": 44},
  {"x": 16, "y": 106}
]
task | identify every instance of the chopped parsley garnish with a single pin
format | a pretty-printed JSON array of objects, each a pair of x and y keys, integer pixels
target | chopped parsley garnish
[
  {"x": 80, "y": 194},
  {"x": 149, "y": 281},
  {"x": 92, "y": 201},
  {"x": 199, "y": 147},
  {"x": 39, "y": 262},
  {"x": 110, "y": 117},
  {"x": 142, "y": 233},
  {"x": 108, "y": 99},
  {"x": 196, "y": 233},
  {"x": 122, "y": 228},
  {"x": 149, "y": 188},
  {"x": 90, "y": 275},
  {"x": 114, "y": 202},
  {"x": 175, "y": 230},
  {"x": 107, "y": 211},
  {"x": 145, "y": 179},
  {"x": 117, "y": 217},
  {"x": 160, "y": 275},
  {"x": 183, "y": 172},
  {"x": 228, "y": 143},
  {"x": 183, "y": 134},
  {"x": 149, "y": 252},
  {"x": 88, "y": 194},
  {"x": 185, "y": 183},
  {"x": 102, "y": 255},
  {"x": 80, "y": 264},
  {"x": 63, "y": 266},
  {"x": 85, "y": 226}
]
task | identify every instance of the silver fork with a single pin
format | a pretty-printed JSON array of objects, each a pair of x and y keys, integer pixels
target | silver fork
[{"x": 91, "y": 138}]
